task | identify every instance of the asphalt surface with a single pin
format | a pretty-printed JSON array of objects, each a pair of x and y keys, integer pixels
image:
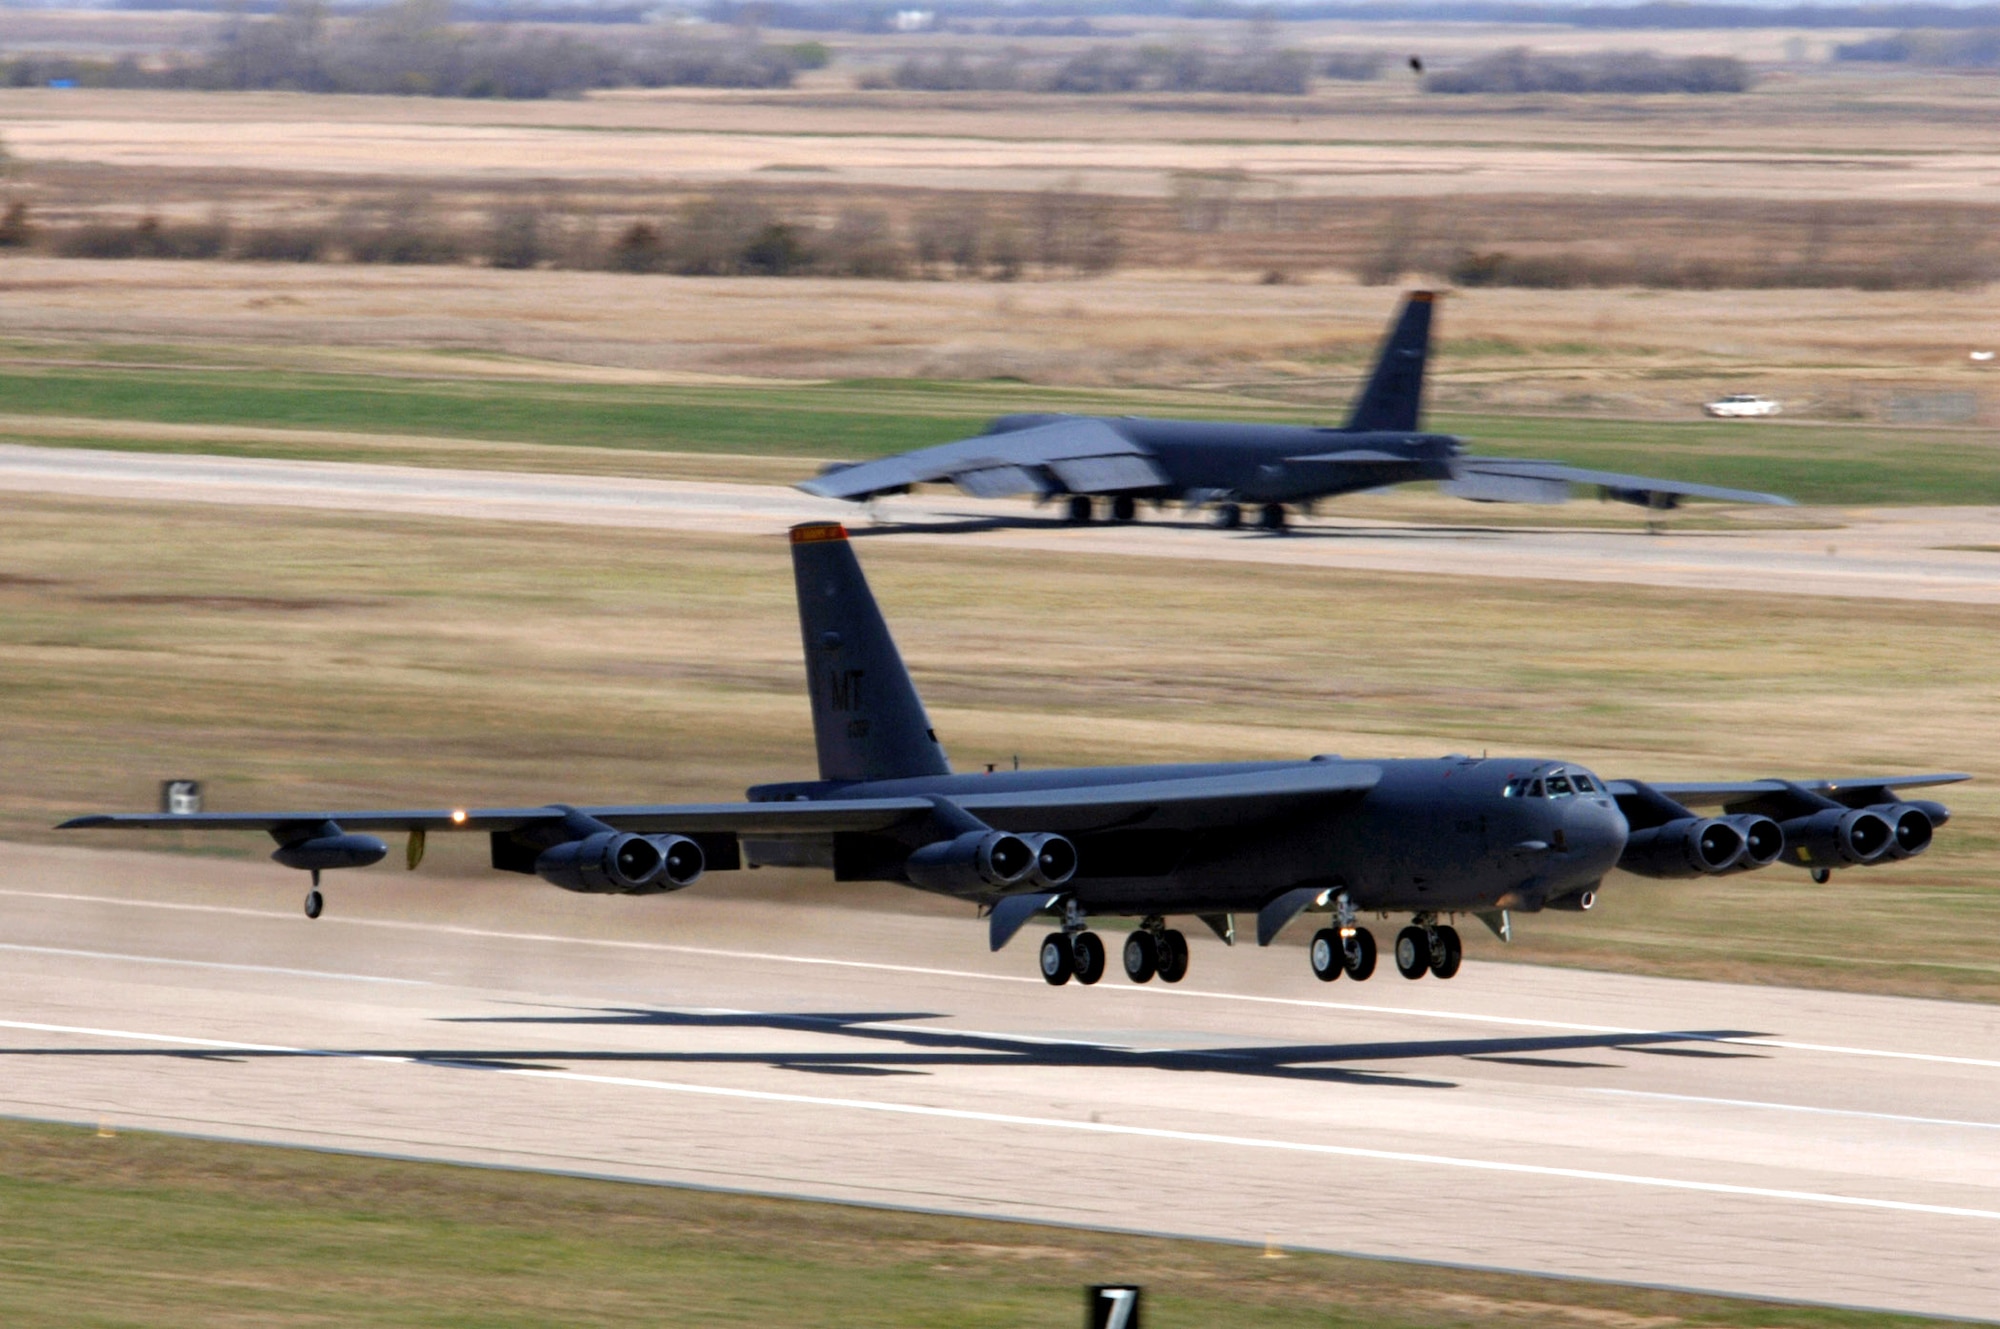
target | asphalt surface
[
  {"x": 1826, "y": 1147},
  {"x": 1937, "y": 554}
]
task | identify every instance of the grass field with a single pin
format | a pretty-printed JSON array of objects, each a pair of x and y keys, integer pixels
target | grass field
[
  {"x": 1814, "y": 463},
  {"x": 140, "y": 1229},
  {"x": 298, "y": 658}
]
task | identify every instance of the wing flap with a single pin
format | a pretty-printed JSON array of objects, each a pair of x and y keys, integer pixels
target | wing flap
[{"x": 769, "y": 820}]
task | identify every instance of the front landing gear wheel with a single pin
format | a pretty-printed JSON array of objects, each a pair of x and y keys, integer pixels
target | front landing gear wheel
[
  {"x": 1057, "y": 959},
  {"x": 314, "y": 902},
  {"x": 1448, "y": 954},
  {"x": 1821, "y": 876},
  {"x": 1360, "y": 957},
  {"x": 1271, "y": 517},
  {"x": 1080, "y": 508},
  {"x": 1173, "y": 956},
  {"x": 1087, "y": 954},
  {"x": 1227, "y": 517},
  {"x": 1413, "y": 953},
  {"x": 1142, "y": 957},
  {"x": 1325, "y": 954},
  {"x": 1124, "y": 508}
]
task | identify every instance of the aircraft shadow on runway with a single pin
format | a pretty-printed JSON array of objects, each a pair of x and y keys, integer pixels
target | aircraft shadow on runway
[
  {"x": 902, "y": 1050},
  {"x": 975, "y": 524}
]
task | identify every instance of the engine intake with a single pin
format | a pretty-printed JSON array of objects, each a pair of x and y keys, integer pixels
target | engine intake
[
  {"x": 1910, "y": 829},
  {"x": 610, "y": 863},
  {"x": 1838, "y": 836},
  {"x": 975, "y": 862},
  {"x": 1763, "y": 841},
  {"x": 1686, "y": 847},
  {"x": 1055, "y": 859}
]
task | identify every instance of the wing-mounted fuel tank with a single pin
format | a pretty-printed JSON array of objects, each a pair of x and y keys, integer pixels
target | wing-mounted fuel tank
[{"x": 321, "y": 846}]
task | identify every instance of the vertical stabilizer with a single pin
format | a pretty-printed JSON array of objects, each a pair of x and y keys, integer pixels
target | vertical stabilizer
[
  {"x": 1394, "y": 397},
  {"x": 867, "y": 719}
]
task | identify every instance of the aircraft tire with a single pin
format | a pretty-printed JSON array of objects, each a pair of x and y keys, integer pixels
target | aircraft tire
[
  {"x": 315, "y": 902},
  {"x": 1413, "y": 953},
  {"x": 1142, "y": 956},
  {"x": 1360, "y": 957},
  {"x": 1080, "y": 508},
  {"x": 1821, "y": 876},
  {"x": 1124, "y": 507},
  {"x": 1088, "y": 952},
  {"x": 1227, "y": 517},
  {"x": 1058, "y": 961},
  {"x": 1326, "y": 956},
  {"x": 1271, "y": 517},
  {"x": 1450, "y": 953},
  {"x": 1173, "y": 956}
]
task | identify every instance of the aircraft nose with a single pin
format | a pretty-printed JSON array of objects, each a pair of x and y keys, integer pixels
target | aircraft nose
[{"x": 1596, "y": 831}]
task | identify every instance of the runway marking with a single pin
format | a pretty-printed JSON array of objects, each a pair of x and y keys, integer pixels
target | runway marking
[
  {"x": 1062, "y": 1124},
  {"x": 1411, "y": 1012},
  {"x": 1800, "y": 1107},
  {"x": 213, "y": 964}
]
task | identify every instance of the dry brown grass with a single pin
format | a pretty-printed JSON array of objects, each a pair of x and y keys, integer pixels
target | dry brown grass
[{"x": 296, "y": 658}]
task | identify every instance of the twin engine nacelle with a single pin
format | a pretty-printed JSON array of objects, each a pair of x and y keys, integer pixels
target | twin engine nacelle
[
  {"x": 1832, "y": 837},
  {"x": 621, "y": 863},
  {"x": 1848, "y": 837},
  {"x": 979, "y": 862},
  {"x": 1704, "y": 846}
]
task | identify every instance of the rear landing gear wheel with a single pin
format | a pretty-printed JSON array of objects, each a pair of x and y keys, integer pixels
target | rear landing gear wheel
[
  {"x": 1360, "y": 957},
  {"x": 1124, "y": 507},
  {"x": 1142, "y": 957},
  {"x": 1448, "y": 953},
  {"x": 1173, "y": 956},
  {"x": 1327, "y": 958},
  {"x": 1821, "y": 876},
  {"x": 1413, "y": 953},
  {"x": 1271, "y": 517},
  {"x": 1058, "y": 961},
  {"x": 314, "y": 902},
  {"x": 1227, "y": 517},
  {"x": 1080, "y": 508},
  {"x": 1087, "y": 954}
]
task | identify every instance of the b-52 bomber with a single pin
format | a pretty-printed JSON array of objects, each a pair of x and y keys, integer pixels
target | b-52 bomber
[
  {"x": 1431, "y": 838},
  {"x": 1227, "y": 468}
]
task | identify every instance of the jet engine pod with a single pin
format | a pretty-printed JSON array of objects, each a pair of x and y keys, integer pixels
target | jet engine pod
[
  {"x": 1687, "y": 847},
  {"x": 1055, "y": 859},
  {"x": 975, "y": 862},
  {"x": 1910, "y": 829},
  {"x": 607, "y": 863},
  {"x": 1837, "y": 836},
  {"x": 681, "y": 861},
  {"x": 326, "y": 847},
  {"x": 1763, "y": 842}
]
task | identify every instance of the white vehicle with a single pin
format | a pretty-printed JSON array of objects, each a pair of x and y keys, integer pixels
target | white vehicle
[{"x": 1741, "y": 405}]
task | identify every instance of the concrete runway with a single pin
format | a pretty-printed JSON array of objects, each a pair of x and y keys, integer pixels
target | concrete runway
[
  {"x": 1824, "y": 1147},
  {"x": 1937, "y": 554}
]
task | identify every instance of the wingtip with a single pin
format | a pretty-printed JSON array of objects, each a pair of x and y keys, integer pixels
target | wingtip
[{"x": 83, "y": 823}]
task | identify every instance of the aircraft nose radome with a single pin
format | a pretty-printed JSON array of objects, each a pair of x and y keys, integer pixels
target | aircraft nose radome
[{"x": 1596, "y": 831}]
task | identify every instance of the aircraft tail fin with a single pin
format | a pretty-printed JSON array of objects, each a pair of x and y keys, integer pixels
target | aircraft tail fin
[
  {"x": 868, "y": 721},
  {"x": 1394, "y": 397}
]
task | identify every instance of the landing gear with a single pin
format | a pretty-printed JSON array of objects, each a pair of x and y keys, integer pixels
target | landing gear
[
  {"x": 1173, "y": 956},
  {"x": 1271, "y": 517},
  {"x": 314, "y": 900},
  {"x": 1124, "y": 507},
  {"x": 1447, "y": 951},
  {"x": 1821, "y": 876},
  {"x": 1142, "y": 956},
  {"x": 1087, "y": 954},
  {"x": 1328, "y": 958},
  {"x": 1058, "y": 959},
  {"x": 1226, "y": 517},
  {"x": 1081, "y": 509},
  {"x": 1413, "y": 952},
  {"x": 1360, "y": 955}
]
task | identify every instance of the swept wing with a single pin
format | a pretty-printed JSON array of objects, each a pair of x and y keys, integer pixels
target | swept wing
[
  {"x": 1079, "y": 455},
  {"x": 1506, "y": 473}
]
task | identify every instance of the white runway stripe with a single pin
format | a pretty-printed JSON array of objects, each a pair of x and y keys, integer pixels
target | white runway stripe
[
  {"x": 1147, "y": 991},
  {"x": 1800, "y": 1107},
  {"x": 211, "y": 964},
  {"x": 1061, "y": 1124}
]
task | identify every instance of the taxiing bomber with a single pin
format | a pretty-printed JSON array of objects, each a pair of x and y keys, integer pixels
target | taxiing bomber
[
  {"x": 1227, "y": 468},
  {"x": 1430, "y": 839}
]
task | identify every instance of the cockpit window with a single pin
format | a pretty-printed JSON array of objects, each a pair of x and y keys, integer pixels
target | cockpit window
[
  {"x": 1534, "y": 789},
  {"x": 1581, "y": 782},
  {"x": 1558, "y": 786}
]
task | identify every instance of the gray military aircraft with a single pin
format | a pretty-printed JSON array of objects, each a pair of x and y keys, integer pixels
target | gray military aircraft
[
  {"x": 1226, "y": 467},
  {"x": 1427, "y": 838}
]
